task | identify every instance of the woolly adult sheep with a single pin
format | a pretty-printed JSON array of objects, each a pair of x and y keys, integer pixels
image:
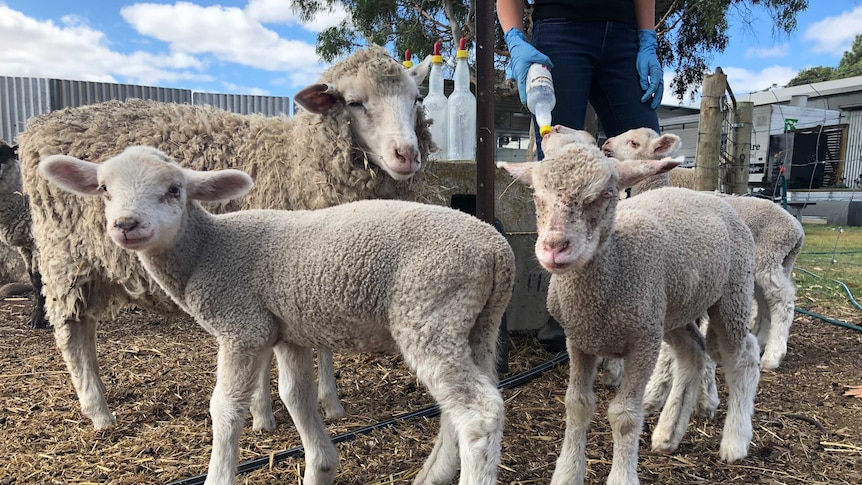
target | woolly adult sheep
[
  {"x": 625, "y": 275},
  {"x": 360, "y": 135},
  {"x": 15, "y": 230},
  {"x": 778, "y": 238},
  {"x": 429, "y": 281}
]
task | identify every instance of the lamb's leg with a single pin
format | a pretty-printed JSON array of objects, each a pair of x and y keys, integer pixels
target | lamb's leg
[
  {"x": 689, "y": 354},
  {"x": 464, "y": 383},
  {"x": 77, "y": 343},
  {"x": 707, "y": 401},
  {"x": 761, "y": 322},
  {"x": 262, "y": 418},
  {"x": 580, "y": 406},
  {"x": 38, "y": 320},
  {"x": 297, "y": 391},
  {"x": 660, "y": 381},
  {"x": 237, "y": 376},
  {"x": 626, "y": 414},
  {"x": 781, "y": 299},
  {"x": 737, "y": 351},
  {"x": 327, "y": 392}
]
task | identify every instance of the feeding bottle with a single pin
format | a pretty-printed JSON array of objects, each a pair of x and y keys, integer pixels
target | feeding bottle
[
  {"x": 407, "y": 63},
  {"x": 540, "y": 96},
  {"x": 461, "y": 108},
  {"x": 435, "y": 105}
]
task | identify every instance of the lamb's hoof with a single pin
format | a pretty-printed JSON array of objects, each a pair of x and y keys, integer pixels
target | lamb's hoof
[
  {"x": 769, "y": 362},
  {"x": 104, "y": 422},
  {"x": 706, "y": 409},
  {"x": 267, "y": 423},
  {"x": 663, "y": 445},
  {"x": 731, "y": 452},
  {"x": 38, "y": 323},
  {"x": 333, "y": 411}
]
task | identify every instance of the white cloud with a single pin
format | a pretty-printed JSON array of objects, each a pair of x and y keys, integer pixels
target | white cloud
[
  {"x": 227, "y": 33},
  {"x": 280, "y": 11},
  {"x": 73, "y": 50},
  {"x": 744, "y": 81},
  {"x": 235, "y": 88},
  {"x": 773, "y": 52},
  {"x": 834, "y": 35}
]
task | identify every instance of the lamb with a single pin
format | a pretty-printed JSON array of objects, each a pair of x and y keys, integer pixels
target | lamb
[
  {"x": 627, "y": 274},
  {"x": 428, "y": 281},
  {"x": 15, "y": 227},
  {"x": 778, "y": 238},
  {"x": 360, "y": 135}
]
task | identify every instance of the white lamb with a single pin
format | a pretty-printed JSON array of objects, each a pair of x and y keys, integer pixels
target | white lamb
[
  {"x": 361, "y": 134},
  {"x": 428, "y": 281},
  {"x": 778, "y": 238},
  {"x": 625, "y": 275}
]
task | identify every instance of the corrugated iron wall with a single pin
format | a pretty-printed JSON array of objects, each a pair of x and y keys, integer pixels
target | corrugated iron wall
[
  {"x": 71, "y": 94},
  {"x": 853, "y": 157},
  {"x": 245, "y": 103},
  {"x": 20, "y": 99}
]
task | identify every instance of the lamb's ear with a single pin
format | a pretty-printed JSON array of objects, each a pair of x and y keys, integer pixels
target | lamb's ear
[
  {"x": 419, "y": 71},
  {"x": 318, "y": 98},
  {"x": 633, "y": 171},
  {"x": 217, "y": 185},
  {"x": 521, "y": 172},
  {"x": 71, "y": 174},
  {"x": 665, "y": 145}
]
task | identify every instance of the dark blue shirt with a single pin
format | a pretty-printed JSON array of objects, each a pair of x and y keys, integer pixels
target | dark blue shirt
[{"x": 586, "y": 10}]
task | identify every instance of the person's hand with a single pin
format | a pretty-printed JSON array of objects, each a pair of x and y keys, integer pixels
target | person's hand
[
  {"x": 649, "y": 69},
  {"x": 522, "y": 56}
]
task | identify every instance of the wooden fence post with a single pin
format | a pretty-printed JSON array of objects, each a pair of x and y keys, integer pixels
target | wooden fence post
[
  {"x": 742, "y": 146},
  {"x": 709, "y": 136}
]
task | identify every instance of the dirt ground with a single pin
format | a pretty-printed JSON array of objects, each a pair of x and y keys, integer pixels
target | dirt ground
[{"x": 159, "y": 375}]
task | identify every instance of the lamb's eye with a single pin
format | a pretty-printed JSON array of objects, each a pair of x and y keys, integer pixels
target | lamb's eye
[
  {"x": 174, "y": 191},
  {"x": 634, "y": 144},
  {"x": 355, "y": 104},
  {"x": 103, "y": 188}
]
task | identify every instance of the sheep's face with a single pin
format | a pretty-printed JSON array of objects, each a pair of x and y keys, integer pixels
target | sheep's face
[
  {"x": 144, "y": 191},
  {"x": 575, "y": 194},
  {"x": 10, "y": 171},
  {"x": 560, "y": 136},
  {"x": 381, "y": 100},
  {"x": 641, "y": 144}
]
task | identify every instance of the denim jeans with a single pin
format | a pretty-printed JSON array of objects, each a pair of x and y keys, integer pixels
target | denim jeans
[{"x": 594, "y": 61}]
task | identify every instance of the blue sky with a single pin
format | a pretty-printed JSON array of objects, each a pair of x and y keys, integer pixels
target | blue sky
[{"x": 260, "y": 46}]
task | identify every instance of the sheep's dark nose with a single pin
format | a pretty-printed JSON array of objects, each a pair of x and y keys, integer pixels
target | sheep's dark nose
[{"x": 126, "y": 224}]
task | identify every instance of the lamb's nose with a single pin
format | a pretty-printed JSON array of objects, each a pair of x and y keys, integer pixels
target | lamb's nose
[{"x": 126, "y": 224}]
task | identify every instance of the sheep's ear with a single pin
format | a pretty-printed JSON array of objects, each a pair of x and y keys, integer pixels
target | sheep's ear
[
  {"x": 419, "y": 71},
  {"x": 217, "y": 185},
  {"x": 665, "y": 145},
  {"x": 318, "y": 98},
  {"x": 521, "y": 172},
  {"x": 71, "y": 174},
  {"x": 633, "y": 171}
]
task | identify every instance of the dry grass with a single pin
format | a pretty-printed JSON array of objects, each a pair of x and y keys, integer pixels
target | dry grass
[{"x": 159, "y": 374}]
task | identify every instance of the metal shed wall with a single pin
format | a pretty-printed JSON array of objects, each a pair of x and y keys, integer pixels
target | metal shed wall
[
  {"x": 21, "y": 98},
  {"x": 71, "y": 94},
  {"x": 853, "y": 157},
  {"x": 245, "y": 103}
]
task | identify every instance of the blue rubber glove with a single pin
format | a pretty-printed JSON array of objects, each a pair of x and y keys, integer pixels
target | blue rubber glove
[
  {"x": 523, "y": 55},
  {"x": 649, "y": 69}
]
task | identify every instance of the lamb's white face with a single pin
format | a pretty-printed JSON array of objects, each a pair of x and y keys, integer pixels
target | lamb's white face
[
  {"x": 572, "y": 212},
  {"x": 641, "y": 144},
  {"x": 144, "y": 200}
]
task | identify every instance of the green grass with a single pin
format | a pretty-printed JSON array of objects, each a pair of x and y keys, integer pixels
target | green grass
[{"x": 831, "y": 253}]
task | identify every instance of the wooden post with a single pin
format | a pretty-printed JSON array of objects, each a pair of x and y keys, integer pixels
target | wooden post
[
  {"x": 742, "y": 125},
  {"x": 709, "y": 136},
  {"x": 485, "y": 136}
]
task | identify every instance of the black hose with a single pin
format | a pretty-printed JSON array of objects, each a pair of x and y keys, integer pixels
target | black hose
[{"x": 427, "y": 412}]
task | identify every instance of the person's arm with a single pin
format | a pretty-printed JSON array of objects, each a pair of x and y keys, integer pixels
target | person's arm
[
  {"x": 521, "y": 53},
  {"x": 511, "y": 14},
  {"x": 649, "y": 69},
  {"x": 644, "y": 14}
]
